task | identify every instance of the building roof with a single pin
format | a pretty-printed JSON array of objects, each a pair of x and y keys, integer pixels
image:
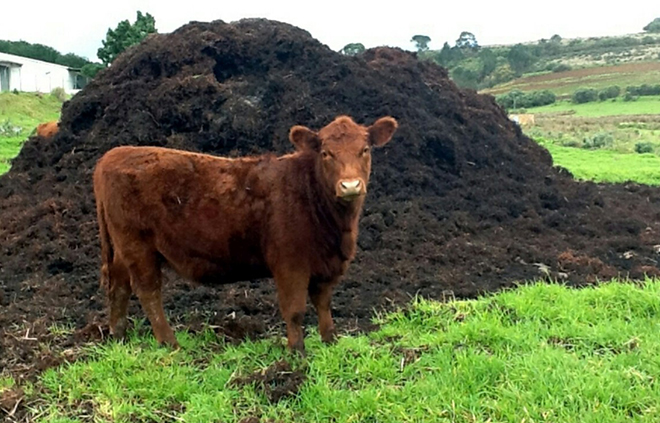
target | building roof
[
  {"x": 14, "y": 60},
  {"x": 9, "y": 63}
]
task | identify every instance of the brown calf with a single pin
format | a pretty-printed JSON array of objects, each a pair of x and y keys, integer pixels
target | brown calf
[
  {"x": 47, "y": 129},
  {"x": 217, "y": 220}
]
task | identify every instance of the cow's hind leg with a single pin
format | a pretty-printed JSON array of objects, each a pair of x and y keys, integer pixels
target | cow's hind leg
[
  {"x": 119, "y": 293},
  {"x": 321, "y": 293},
  {"x": 146, "y": 282}
]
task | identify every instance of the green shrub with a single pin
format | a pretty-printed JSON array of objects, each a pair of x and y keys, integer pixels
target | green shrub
[
  {"x": 629, "y": 97},
  {"x": 648, "y": 40},
  {"x": 644, "y": 89},
  {"x": 562, "y": 67},
  {"x": 59, "y": 94},
  {"x": 609, "y": 92},
  {"x": 584, "y": 95},
  {"x": 571, "y": 143},
  {"x": 599, "y": 140},
  {"x": 517, "y": 99},
  {"x": 643, "y": 147}
]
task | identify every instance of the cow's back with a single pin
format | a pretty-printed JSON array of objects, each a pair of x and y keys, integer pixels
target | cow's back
[{"x": 204, "y": 215}]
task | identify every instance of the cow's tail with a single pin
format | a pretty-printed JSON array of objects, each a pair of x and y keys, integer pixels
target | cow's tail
[{"x": 107, "y": 252}]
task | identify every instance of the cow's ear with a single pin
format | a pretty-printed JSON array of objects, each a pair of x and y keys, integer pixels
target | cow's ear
[
  {"x": 304, "y": 138},
  {"x": 382, "y": 130}
]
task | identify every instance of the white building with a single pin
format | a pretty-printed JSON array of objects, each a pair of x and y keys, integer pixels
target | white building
[{"x": 24, "y": 74}]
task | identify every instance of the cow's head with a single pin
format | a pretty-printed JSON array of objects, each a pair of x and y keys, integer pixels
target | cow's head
[{"x": 343, "y": 153}]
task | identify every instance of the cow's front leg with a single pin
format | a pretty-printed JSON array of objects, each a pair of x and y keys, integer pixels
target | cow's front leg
[
  {"x": 321, "y": 295},
  {"x": 292, "y": 298}
]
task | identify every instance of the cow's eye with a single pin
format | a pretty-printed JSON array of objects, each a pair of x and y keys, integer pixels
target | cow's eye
[
  {"x": 325, "y": 154},
  {"x": 365, "y": 150}
]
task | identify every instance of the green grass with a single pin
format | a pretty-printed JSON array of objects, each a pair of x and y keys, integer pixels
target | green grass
[
  {"x": 641, "y": 106},
  {"x": 25, "y": 111},
  {"x": 607, "y": 165},
  {"x": 539, "y": 353}
]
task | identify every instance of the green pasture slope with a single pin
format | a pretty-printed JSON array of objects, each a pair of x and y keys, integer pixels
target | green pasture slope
[
  {"x": 645, "y": 105},
  {"x": 563, "y": 84},
  {"x": 19, "y": 116},
  {"x": 538, "y": 353},
  {"x": 607, "y": 165}
]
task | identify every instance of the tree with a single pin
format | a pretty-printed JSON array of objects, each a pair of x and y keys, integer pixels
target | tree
[
  {"x": 421, "y": 42},
  {"x": 489, "y": 62},
  {"x": 555, "y": 39},
  {"x": 465, "y": 77},
  {"x": 444, "y": 57},
  {"x": 520, "y": 58},
  {"x": 352, "y": 49},
  {"x": 654, "y": 26},
  {"x": 125, "y": 35},
  {"x": 91, "y": 69},
  {"x": 502, "y": 73},
  {"x": 72, "y": 60},
  {"x": 467, "y": 40}
]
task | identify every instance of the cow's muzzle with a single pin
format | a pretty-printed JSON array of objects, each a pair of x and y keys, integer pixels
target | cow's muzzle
[{"x": 349, "y": 189}]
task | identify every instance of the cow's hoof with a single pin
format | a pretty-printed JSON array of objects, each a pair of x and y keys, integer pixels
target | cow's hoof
[
  {"x": 119, "y": 331},
  {"x": 170, "y": 343},
  {"x": 330, "y": 337},
  {"x": 298, "y": 348}
]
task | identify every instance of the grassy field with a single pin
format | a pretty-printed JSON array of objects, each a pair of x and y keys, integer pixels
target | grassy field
[
  {"x": 539, "y": 353},
  {"x": 565, "y": 83},
  {"x": 19, "y": 115},
  {"x": 600, "y": 141},
  {"x": 607, "y": 165},
  {"x": 642, "y": 106}
]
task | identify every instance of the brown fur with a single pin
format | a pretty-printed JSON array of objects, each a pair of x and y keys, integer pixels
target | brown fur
[
  {"x": 216, "y": 220},
  {"x": 47, "y": 129}
]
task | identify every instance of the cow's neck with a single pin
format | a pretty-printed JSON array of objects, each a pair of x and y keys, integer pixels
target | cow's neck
[{"x": 338, "y": 220}]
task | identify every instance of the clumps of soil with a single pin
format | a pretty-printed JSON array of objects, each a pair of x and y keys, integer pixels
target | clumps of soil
[
  {"x": 569, "y": 261},
  {"x": 460, "y": 201},
  {"x": 277, "y": 381},
  {"x": 10, "y": 401}
]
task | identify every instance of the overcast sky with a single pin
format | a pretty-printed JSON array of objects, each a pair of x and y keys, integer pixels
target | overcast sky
[{"x": 78, "y": 26}]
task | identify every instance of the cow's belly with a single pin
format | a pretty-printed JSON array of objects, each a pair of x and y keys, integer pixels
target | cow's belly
[
  {"x": 234, "y": 272},
  {"x": 217, "y": 271},
  {"x": 213, "y": 263}
]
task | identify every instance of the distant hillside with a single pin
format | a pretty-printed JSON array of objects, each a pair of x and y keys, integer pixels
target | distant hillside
[
  {"x": 563, "y": 84},
  {"x": 483, "y": 67},
  {"x": 602, "y": 51}
]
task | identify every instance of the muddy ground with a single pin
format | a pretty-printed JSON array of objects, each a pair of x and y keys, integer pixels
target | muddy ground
[{"x": 461, "y": 202}]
